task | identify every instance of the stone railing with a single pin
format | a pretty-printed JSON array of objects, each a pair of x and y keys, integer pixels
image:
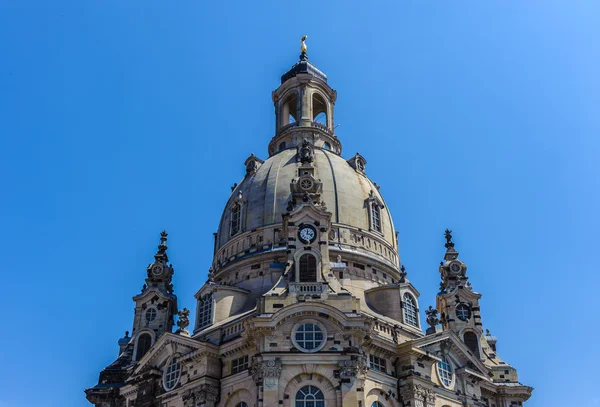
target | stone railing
[
  {"x": 322, "y": 127},
  {"x": 287, "y": 126},
  {"x": 308, "y": 288}
]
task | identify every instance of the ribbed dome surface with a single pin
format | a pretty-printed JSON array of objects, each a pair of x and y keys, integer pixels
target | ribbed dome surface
[{"x": 267, "y": 193}]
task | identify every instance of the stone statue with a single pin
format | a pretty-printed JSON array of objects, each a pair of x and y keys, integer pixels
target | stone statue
[
  {"x": 306, "y": 153},
  {"x": 448, "y": 235}
]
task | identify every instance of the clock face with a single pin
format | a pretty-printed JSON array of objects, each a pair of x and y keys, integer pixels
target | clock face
[
  {"x": 455, "y": 267},
  {"x": 307, "y": 234},
  {"x": 157, "y": 269}
]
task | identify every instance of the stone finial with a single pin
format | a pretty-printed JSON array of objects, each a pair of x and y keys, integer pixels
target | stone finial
[
  {"x": 403, "y": 274},
  {"x": 432, "y": 320},
  {"x": 127, "y": 334},
  {"x": 303, "y": 48},
  {"x": 183, "y": 322}
]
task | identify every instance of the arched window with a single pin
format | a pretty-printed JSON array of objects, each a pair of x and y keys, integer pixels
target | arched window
[
  {"x": 472, "y": 342},
  {"x": 308, "y": 268},
  {"x": 289, "y": 110},
  {"x": 282, "y": 146},
  {"x": 327, "y": 146},
  {"x": 235, "y": 219},
  {"x": 143, "y": 345},
  {"x": 410, "y": 310},
  {"x": 375, "y": 217},
  {"x": 319, "y": 109},
  {"x": 205, "y": 307},
  {"x": 445, "y": 372},
  {"x": 241, "y": 404},
  {"x": 310, "y": 396}
]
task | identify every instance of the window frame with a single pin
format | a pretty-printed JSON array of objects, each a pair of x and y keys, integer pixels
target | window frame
[
  {"x": 462, "y": 308},
  {"x": 320, "y": 328},
  {"x": 410, "y": 307},
  {"x": 235, "y": 220},
  {"x": 239, "y": 364},
  {"x": 444, "y": 369},
  {"x": 377, "y": 363},
  {"x": 167, "y": 372},
  {"x": 205, "y": 311},
  {"x": 136, "y": 351},
  {"x": 308, "y": 391},
  {"x": 146, "y": 318},
  {"x": 308, "y": 272},
  {"x": 375, "y": 217}
]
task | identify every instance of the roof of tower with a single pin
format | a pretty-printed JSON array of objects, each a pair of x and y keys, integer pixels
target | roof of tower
[{"x": 303, "y": 66}]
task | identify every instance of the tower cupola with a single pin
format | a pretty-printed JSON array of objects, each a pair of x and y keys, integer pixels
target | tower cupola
[{"x": 304, "y": 105}]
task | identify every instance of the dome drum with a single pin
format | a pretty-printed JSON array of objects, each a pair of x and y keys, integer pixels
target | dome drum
[{"x": 292, "y": 135}]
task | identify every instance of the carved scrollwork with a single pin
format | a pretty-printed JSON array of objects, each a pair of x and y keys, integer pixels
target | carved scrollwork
[
  {"x": 266, "y": 371},
  {"x": 200, "y": 395},
  {"x": 355, "y": 367},
  {"x": 417, "y": 395}
]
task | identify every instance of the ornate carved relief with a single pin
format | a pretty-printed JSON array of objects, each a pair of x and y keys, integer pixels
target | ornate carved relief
[
  {"x": 203, "y": 395},
  {"x": 266, "y": 371},
  {"x": 417, "y": 395}
]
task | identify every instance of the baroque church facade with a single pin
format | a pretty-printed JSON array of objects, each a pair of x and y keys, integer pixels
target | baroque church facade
[{"x": 307, "y": 303}]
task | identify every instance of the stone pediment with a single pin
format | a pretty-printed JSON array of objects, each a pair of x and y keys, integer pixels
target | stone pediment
[
  {"x": 167, "y": 345},
  {"x": 150, "y": 292},
  {"x": 308, "y": 210},
  {"x": 449, "y": 343}
]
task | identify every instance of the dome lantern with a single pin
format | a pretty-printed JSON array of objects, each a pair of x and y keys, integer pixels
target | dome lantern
[{"x": 304, "y": 106}]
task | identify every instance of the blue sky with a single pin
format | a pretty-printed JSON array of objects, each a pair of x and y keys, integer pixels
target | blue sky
[{"x": 119, "y": 119}]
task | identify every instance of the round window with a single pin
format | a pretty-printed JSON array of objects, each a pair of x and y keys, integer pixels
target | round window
[
  {"x": 445, "y": 372},
  {"x": 309, "y": 336},
  {"x": 172, "y": 374},
  {"x": 463, "y": 312},
  {"x": 150, "y": 314}
]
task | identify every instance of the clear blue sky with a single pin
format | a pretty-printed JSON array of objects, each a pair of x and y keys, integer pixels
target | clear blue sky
[{"x": 119, "y": 119}]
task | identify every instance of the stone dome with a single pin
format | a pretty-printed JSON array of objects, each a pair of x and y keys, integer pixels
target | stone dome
[{"x": 346, "y": 191}]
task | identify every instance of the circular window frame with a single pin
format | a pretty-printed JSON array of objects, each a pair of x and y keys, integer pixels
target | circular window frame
[
  {"x": 437, "y": 371},
  {"x": 164, "y": 378},
  {"x": 302, "y": 323},
  {"x": 466, "y": 307},
  {"x": 148, "y": 320}
]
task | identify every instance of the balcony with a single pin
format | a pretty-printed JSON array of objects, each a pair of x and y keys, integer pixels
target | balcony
[{"x": 308, "y": 288}]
